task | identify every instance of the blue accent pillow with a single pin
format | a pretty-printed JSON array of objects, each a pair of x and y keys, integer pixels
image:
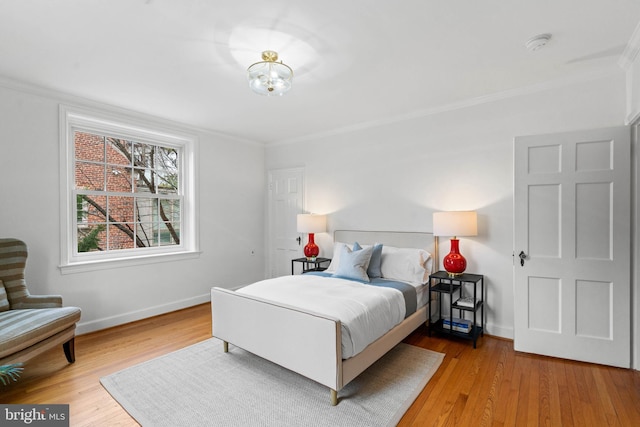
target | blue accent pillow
[
  {"x": 353, "y": 264},
  {"x": 374, "y": 270}
]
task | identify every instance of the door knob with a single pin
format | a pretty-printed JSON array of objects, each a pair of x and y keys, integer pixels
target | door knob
[
  {"x": 299, "y": 239},
  {"x": 522, "y": 256}
]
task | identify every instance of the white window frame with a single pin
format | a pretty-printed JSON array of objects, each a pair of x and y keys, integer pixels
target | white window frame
[{"x": 87, "y": 120}]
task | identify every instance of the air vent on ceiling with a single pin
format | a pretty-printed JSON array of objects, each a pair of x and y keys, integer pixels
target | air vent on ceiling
[{"x": 537, "y": 42}]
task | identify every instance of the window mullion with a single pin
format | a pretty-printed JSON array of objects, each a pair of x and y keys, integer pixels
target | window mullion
[
  {"x": 107, "y": 220},
  {"x": 104, "y": 166}
]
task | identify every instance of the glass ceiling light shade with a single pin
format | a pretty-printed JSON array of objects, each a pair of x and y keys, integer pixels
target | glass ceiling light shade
[{"x": 269, "y": 77}]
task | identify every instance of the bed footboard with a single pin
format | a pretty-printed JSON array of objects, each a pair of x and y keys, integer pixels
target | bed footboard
[{"x": 304, "y": 342}]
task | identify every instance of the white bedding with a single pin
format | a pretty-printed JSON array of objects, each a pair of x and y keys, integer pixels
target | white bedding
[{"x": 366, "y": 312}]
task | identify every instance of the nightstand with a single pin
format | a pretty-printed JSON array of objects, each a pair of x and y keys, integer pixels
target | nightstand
[
  {"x": 464, "y": 299},
  {"x": 317, "y": 265}
]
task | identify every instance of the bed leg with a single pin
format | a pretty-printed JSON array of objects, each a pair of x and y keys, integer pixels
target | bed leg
[
  {"x": 334, "y": 397},
  {"x": 225, "y": 346}
]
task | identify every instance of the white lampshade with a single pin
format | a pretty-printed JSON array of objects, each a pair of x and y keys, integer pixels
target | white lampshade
[
  {"x": 310, "y": 223},
  {"x": 455, "y": 223}
]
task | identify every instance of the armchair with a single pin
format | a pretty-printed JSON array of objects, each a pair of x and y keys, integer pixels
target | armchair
[{"x": 30, "y": 324}]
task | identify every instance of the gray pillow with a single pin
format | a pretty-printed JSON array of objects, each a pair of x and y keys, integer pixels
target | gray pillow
[{"x": 374, "y": 270}]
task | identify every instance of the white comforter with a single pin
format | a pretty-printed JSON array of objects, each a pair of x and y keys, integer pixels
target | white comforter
[{"x": 366, "y": 312}]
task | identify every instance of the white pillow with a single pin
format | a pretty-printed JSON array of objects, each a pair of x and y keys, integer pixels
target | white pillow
[
  {"x": 335, "y": 260},
  {"x": 406, "y": 264}
]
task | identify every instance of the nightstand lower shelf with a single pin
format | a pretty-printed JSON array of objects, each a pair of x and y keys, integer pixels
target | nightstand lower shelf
[{"x": 473, "y": 334}]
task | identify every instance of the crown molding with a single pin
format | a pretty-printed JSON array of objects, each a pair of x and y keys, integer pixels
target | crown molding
[{"x": 78, "y": 101}]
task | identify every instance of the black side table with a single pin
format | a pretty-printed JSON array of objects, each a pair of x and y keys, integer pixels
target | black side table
[
  {"x": 443, "y": 284},
  {"x": 308, "y": 265}
]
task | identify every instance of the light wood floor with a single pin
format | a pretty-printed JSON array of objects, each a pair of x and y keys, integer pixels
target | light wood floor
[{"x": 489, "y": 386}]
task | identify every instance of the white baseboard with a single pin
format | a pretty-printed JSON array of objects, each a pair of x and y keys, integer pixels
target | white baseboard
[
  {"x": 499, "y": 331},
  {"x": 108, "y": 322},
  {"x": 120, "y": 319}
]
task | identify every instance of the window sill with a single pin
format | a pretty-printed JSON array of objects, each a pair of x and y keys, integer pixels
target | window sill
[{"x": 81, "y": 267}]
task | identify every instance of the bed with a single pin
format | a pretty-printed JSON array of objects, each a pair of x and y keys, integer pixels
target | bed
[{"x": 309, "y": 339}]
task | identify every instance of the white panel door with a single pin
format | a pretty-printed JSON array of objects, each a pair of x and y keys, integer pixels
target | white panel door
[
  {"x": 572, "y": 242},
  {"x": 286, "y": 201}
]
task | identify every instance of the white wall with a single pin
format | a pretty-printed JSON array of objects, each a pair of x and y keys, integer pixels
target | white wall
[
  {"x": 393, "y": 177},
  {"x": 231, "y": 192},
  {"x": 390, "y": 177}
]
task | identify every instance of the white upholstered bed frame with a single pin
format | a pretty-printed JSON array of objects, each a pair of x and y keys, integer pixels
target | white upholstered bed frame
[{"x": 268, "y": 329}]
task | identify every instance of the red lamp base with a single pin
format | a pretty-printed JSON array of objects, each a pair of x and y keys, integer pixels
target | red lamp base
[
  {"x": 312, "y": 250},
  {"x": 454, "y": 263}
]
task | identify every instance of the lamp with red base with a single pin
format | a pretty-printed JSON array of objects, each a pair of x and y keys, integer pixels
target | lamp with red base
[
  {"x": 310, "y": 223},
  {"x": 456, "y": 223}
]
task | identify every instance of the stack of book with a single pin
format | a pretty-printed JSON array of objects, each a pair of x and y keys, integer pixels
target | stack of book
[
  {"x": 466, "y": 302},
  {"x": 459, "y": 325}
]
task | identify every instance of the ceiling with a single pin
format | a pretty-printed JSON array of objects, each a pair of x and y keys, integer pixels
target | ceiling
[{"x": 356, "y": 63}]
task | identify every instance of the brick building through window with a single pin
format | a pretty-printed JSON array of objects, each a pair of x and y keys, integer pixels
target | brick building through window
[{"x": 126, "y": 193}]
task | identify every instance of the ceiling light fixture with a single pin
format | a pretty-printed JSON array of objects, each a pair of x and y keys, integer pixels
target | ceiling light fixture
[
  {"x": 537, "y": 42},
  {"x": 269, "y": 77}
]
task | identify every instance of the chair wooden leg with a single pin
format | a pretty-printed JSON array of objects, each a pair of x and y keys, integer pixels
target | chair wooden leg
[{"x": 70, "y": 350}]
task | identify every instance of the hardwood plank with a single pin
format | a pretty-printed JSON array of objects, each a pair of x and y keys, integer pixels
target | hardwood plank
[
  {"x": 493, "y": 405},
  {"x": 490, "y": 386},
  {"x": 604, "y": 397},
  {"x": 576, "y": 393},
  {"x": 545, "y": 395},
  {"x": 505, "y": 413},
  {"x": 564, "y": 413},
  {"x": 625, "y": 401},
  {"x": 477, "y": 413},
  {"x": 523, "y": 371}
]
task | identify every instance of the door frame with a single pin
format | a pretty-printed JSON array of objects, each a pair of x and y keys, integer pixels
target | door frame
[{"x": 635, "y": 248}]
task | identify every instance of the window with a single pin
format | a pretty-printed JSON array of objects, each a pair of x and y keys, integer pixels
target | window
[{"x": 129, "y": 191}]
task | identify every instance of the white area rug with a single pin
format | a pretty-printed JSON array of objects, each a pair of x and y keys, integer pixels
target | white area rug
[{"x": 202, "y": 386}]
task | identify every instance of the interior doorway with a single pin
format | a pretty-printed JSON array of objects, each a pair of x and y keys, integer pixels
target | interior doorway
[{"x": 286, "y": 201}]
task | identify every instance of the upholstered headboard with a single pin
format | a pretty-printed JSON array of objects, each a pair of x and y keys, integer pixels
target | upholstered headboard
[{"x": 399, "y": 239}]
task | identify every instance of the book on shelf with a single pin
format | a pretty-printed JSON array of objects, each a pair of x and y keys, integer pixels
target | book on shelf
[
  {"x": 459, "y": 325},
  {"x": 466, "y": 302}
]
